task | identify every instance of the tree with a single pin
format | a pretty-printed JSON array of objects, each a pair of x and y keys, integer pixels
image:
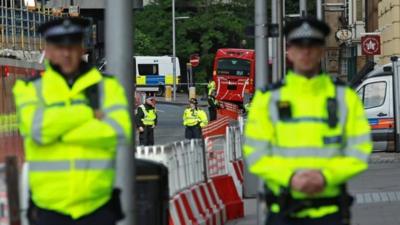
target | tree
[{"x": 212, "y": 25}]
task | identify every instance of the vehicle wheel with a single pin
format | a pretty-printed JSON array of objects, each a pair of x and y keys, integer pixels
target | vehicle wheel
[{"x": 161, "y": 91}]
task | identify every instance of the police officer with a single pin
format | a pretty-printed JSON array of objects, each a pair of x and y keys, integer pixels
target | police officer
[
  {"x": 72, "y": 118},
  {"x": 146, "y": 120},
  {"x": 194, "y": 119},
  {"x": 213, "y": 105},
  {"x": 211, "y": 86},
  {"x": 307, "y": 136}
]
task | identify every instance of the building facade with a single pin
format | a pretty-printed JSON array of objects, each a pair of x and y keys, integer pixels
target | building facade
[
  {"x": 349, "y": 20},
  {"x": 389, "y": 27},
  {"x": 332, "y": 62}
]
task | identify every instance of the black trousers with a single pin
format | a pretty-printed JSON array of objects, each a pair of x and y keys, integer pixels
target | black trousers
[
  {"x": 213, "y": 112},
  {"x": 102, "y": 216},
  {"x": 147, "y": 136},
  {"x": 108, "y": 214},
  {"x": 276, "y": 219},
  {"x": 193, "y": 132}
]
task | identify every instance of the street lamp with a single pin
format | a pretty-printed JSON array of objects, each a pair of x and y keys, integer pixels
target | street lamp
[{"x": 173, "y": 45}]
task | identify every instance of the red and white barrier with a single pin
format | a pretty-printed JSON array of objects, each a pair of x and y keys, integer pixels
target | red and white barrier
[
  {"x": 196, "y": 199},
  {"x": 200, "y": 205}
]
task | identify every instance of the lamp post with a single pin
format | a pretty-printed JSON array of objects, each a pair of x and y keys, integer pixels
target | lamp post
[{"x": 174, "y": 45}]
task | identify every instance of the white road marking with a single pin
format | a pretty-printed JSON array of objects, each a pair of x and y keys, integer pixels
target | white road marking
[{"x": 377, "y": 197}]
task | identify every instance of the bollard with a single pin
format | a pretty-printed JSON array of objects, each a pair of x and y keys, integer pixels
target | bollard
[
  {"x": 168, "y": 93},
  {"x": 192, "y": 92}
]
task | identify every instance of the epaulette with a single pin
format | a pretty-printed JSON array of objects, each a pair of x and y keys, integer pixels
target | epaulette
[
  {"x": 273, "y": 86},
  {"x": 37, "y": 76},
  {"x": 339, "y": 82}
]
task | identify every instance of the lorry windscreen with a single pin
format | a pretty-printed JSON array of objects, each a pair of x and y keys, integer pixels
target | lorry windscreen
[{"x": 233, "y": 67}]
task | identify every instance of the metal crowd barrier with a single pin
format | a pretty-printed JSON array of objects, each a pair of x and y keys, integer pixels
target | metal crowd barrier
[
  {"x": 216, "y": 155},
  {"x": 234, "y": 141},
  {"x": 184, "y": 159},
  {"x": 190, "y": 162}
]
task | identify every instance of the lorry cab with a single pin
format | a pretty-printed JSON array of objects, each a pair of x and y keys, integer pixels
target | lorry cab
[{"x": 376, "y": 93}]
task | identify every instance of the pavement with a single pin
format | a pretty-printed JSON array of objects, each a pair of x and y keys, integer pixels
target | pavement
[{"x": 377, "y": 193}]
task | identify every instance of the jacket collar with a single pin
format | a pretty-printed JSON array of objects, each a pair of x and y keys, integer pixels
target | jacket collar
[
  {"x": 305, "y": 84},
  {"x": 86, "y": 77}
]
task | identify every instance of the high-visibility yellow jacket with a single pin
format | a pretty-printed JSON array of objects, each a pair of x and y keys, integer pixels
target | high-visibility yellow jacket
[
  {"x": 193, "y": 117},
  {"x": 71, "y": 154},
  {"x": 149, "y": 116},
  {"x": 287, "y": 130},
  {"x": 211, "y": 86}
]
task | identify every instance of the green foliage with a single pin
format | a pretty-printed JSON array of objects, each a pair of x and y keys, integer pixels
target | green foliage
[{"x": 210, "y": 27}]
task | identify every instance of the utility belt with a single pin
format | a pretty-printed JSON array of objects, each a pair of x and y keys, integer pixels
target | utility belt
[
  {"x": 195, "y": 125},
  {"x": 113, "y": 205},
  {"x": 289, "y": 206}
]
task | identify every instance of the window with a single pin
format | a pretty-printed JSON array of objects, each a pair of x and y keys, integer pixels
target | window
[
  {"x": 148, "y": 69},
  {"x": 374, "y": 94},
  {"x": 234, "y": 67}
]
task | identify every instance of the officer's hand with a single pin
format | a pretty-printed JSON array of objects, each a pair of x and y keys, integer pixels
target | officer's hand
[
  {"x": 298, "y": 181},
  {"x": 315, "y": 182},
  {"x": 98, "y": 114},
  {"x": 141, "y": 129},
  {"x": 310, "y": 182}
]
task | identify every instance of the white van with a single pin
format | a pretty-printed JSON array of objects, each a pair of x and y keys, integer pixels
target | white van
[
  {"x": 153, "y": 73},
  {"x": 376, "y": 92}
]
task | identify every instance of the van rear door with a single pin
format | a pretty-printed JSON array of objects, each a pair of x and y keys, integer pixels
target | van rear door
[{"x": 376, "y": 94}]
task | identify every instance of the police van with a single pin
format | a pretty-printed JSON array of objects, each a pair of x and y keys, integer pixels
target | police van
[
  {"x": 376, "y": 92},
  {"x": 153, "y": 73}
]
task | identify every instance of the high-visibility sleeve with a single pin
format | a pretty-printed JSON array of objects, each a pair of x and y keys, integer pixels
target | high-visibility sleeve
[
  {"x": 113, "y": 129},
  {"x": 358, "y": 145},
  {"x": 259, "y": 132},
  {"x": 46, "y": 123},
  {"x": 139, "y": 116},
  {"x": 184, "y": 117},
  {"x": 203, "y": 118}
]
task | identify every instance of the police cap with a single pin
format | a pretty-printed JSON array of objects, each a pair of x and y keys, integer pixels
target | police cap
[
  {"x": 193, "y": 101},
  {"x": 64, "y": 31},
  {"x": 306, "y": 31}
]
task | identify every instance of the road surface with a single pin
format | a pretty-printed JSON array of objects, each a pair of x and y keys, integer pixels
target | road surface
[
  {"x": 377, "y": 193},
  {"x": 170, "y": 127}
]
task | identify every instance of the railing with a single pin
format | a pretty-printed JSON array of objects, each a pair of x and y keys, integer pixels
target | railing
[
  {"x": 216, "y": 156},
  {"x": 19, "y": 26},
  {"x": 184, "y": 159},
  {"x": 234, "y": 141},
  {"x": 191, "y": 162}
]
